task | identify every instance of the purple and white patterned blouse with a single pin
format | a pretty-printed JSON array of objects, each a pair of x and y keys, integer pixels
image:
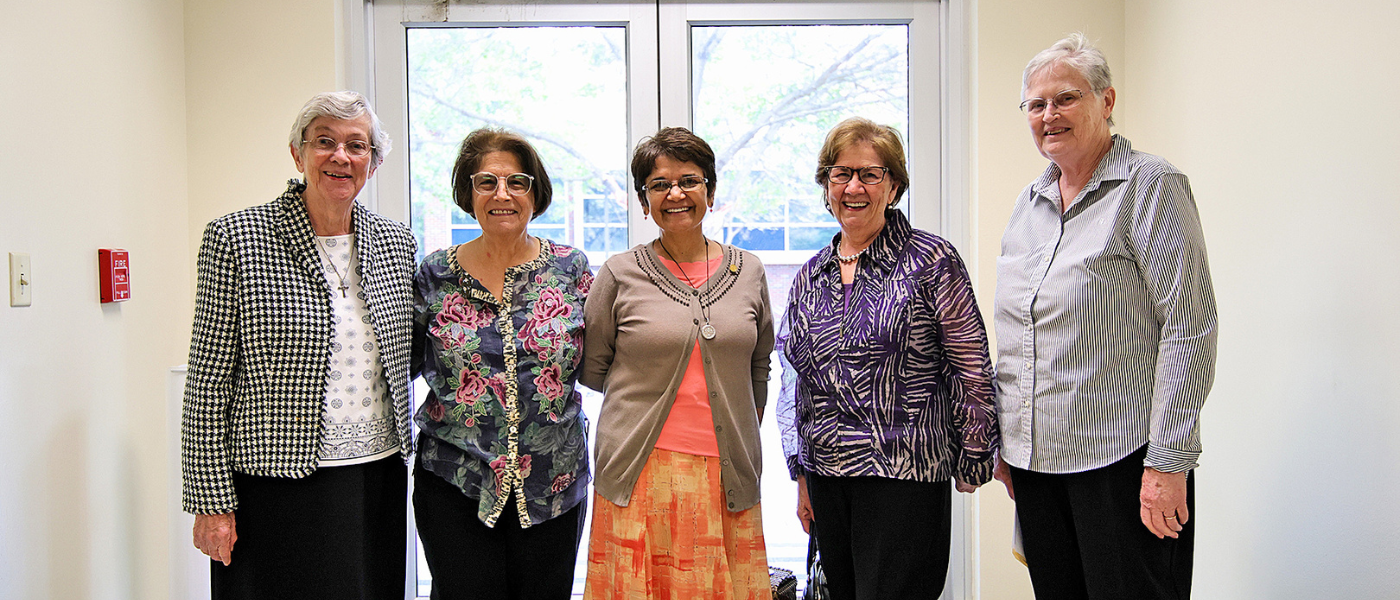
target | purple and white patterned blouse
[
  {"x": 502, "y": 414},
  {"x": 894, "y": 381}
]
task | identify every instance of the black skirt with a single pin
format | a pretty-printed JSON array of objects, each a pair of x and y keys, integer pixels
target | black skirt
[{"x": 337, "y": 534}]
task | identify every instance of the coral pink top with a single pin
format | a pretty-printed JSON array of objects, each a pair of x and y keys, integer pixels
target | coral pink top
[{"x": 690, "y": 428}]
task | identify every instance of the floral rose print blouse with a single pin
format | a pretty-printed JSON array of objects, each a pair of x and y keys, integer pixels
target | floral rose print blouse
[{"x": 501, "y": 413}]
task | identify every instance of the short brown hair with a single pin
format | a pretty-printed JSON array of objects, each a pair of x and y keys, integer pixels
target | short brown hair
[
  {"x": 680, "y": 144},
  {"x": 486, "y": 140},
  {"x": 884, "y": 139}
]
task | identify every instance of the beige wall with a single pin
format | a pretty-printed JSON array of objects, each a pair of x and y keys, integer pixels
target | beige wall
[
  {"x": 250, "y": 65},
  {"x": 93, "y": 98},
  {"x": 1282, "y": 115},
  {"x": 130, "y": 123}
]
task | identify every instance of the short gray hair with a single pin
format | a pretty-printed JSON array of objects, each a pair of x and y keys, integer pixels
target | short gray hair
[
  {"x": 346, "y": 106},
  {"x": 1075, "y": 52}
]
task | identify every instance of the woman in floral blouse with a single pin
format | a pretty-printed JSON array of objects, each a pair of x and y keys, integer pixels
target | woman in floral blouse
[
  {"x": 502, "y": 476},
  {"x": 887, "y": 385}
]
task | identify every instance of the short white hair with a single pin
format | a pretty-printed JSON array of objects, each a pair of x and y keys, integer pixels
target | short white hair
[
  {"x": 1075, "y": 52},
  {"x": 346, "y": 106}
]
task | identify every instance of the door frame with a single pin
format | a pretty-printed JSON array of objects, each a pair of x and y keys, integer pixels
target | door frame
[{"x": 950, "y": 211}]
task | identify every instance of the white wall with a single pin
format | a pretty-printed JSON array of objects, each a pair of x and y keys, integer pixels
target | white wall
[
  {"x": 1283, "y": 115},
  {"x": 92, "y": 95}
]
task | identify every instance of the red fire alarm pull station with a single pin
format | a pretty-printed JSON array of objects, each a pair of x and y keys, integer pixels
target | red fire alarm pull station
[{"x": 114, "y": 268}]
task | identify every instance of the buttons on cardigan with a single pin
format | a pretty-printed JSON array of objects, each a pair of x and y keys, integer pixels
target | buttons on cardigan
[
  {"x": 724, "y": 463},
  {"x": 695, "y": 321},
  {"x": 731, "y": 505},
  {"x": 717, "y": 427},
  {"x": 712, "y": 394},
  {"x": 513, "y": 429},
  {"x": 695, "y": 292}
]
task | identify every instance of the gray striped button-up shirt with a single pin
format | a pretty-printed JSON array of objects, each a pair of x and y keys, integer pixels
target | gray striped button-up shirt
[{"x": 1105, "y": 320}]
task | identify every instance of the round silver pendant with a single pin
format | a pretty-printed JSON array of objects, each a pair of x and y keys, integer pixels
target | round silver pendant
[{"x": 708, "y": 331}]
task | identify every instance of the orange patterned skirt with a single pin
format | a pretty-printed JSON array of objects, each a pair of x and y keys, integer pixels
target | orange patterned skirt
[{"x": 676, "y": 540}]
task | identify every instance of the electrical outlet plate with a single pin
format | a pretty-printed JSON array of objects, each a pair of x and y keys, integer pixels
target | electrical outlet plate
[{"x": 21, "y": 280}]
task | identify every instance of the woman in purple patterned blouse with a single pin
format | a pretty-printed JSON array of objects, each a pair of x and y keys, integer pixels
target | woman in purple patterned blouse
[
  {"x": 502, "y": 477},
  {"x": 887, "y": 384}
]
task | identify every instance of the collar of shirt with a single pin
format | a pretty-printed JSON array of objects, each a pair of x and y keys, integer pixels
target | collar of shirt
[
  {"x": 1113, "y": 167},
  {"x": 884, "y": 252}
]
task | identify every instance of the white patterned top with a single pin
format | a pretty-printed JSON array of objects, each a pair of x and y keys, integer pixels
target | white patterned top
[{"x": 358, "y": 418}]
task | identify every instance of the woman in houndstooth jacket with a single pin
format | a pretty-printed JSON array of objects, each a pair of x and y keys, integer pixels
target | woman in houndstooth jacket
[{"x": 296, "y": 413}]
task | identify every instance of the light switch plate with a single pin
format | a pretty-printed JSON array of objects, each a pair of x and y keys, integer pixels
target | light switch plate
[{"x": 21, "y": 279}]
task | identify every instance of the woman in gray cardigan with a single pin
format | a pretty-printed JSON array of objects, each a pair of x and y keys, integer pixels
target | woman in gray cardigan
[{"x": 679, "y": 333}]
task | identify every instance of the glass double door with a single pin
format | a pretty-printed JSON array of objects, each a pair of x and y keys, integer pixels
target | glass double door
[{"x": 762, "y": 83}]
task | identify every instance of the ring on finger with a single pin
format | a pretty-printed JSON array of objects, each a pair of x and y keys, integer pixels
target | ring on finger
[{"x": 1172, "y": 517}]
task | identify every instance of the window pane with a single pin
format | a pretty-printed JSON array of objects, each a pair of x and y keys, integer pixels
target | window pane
[
  {"x": 811, "y": 238},
  {"x": 764, "y": 98},
  {"x": 563, "y": 88}
]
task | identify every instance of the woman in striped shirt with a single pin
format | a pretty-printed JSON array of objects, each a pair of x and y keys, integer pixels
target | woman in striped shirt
[
  {"x": 887, "y": 391},
  {"x": 1105, "y": 324}
]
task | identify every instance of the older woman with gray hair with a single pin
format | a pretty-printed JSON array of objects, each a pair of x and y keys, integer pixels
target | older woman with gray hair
[
  {"x": 296, "y": 413},
  {"x": 1106, "y": 328}
]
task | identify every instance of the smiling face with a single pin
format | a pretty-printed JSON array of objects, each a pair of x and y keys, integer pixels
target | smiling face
[
  {"x": 500, "y": 212},
  {"x": 1075, "y": 134},
  {"x": 677, "y": 211},
  {"x": 335, "y": 177},
  {"x": 860, "y": 207}
]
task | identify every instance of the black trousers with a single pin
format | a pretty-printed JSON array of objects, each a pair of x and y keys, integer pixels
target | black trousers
[
  {"x": 881, "y": 538},
  {"x": 339, "y": 533},
  {"x": 1084, "y": 537},
  {"x": 471, "y": 561}
]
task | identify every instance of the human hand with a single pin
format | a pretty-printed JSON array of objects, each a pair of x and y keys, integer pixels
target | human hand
[
  {"x": 1001, "y": 472},
  {"x": 804, "y": 506},
  {"x": 214, "y": 535},
  {"x": 1163, "y": 500},
  {"x": 965, "y": 488}
]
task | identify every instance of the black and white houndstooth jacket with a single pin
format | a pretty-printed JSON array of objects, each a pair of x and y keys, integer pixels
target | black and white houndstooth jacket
[{"x": 261, "y": 344}]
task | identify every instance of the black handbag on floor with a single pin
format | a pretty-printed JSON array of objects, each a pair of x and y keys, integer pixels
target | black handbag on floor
[
  {"x": 784, "y": 583},
  {"x": 816, "y": 578}
]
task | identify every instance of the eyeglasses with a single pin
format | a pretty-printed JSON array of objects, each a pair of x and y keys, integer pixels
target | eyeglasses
[
  {"x": 659, "y": 188},
  {"x": 842, "y": 175},
  {"x": 325, "y": 145},
  {"x": 1064, "y": 100},
  {"x": 517, "y": 184}
]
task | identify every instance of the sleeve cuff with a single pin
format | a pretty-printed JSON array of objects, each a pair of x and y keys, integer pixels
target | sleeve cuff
[
  {"x": 1170, "y": 460},
  {"x": 795, "y": 467},
  {"x": 978, "y": 472}
]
